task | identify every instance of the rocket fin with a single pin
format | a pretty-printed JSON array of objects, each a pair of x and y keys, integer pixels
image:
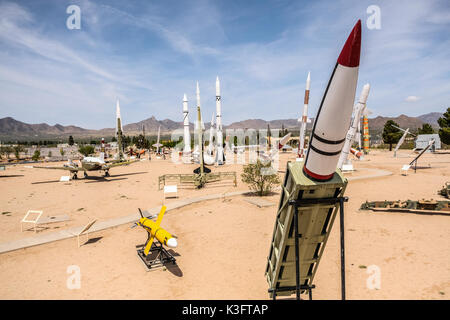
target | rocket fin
[
  {"x": 160, "y": 215},
  {"x": 148, "y": 246}
]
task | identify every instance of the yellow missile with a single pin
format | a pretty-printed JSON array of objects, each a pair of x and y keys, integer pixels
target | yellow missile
[{"x": 155, "y": 231}]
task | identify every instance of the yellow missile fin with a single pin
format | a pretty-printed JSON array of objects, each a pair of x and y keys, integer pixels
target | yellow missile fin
[
  {"x": 148, "y": 246},
  {"x": 160, "y": 215}
]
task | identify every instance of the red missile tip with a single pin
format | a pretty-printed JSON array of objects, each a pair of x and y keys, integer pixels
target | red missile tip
[{"x": 349, "y": 56}]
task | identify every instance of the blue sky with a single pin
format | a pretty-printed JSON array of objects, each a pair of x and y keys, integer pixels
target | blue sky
[{"x": 149, "y": 53}]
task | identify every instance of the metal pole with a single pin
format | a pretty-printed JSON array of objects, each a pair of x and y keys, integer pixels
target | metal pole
[
  {"x": 297, "y": 261},
  {"x": 341, "y": 215}
]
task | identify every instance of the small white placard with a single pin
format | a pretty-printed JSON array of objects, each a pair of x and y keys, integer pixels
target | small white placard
[{"x": 64, "y": 179}]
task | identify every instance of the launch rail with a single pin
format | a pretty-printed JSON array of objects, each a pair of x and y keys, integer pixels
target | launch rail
[
  {"x": 157, "y": 257},
  {"x": 305, "y": 202}
]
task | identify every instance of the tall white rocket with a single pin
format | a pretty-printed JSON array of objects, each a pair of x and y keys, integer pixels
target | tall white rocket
[
  {"x": 198, "y": 105},
  {"x": 219, "y": 133},
  {"x": 304, "y": 120},
  {"x": 198, "y": 125},
  {"x": 211, "y": 135},
  {"x": 354, "y": 124},
  {"x": 187, "y": 134}
]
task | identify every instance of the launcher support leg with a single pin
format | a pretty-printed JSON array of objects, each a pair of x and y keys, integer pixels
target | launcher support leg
[
  {"x": 342, "y": 230},
  {"x": 297, "y": 258}
]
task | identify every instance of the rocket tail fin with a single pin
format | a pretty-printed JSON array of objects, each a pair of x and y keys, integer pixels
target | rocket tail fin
[
  {"x": 161, "y": 215},
  {"x": 148, "y": 245}
]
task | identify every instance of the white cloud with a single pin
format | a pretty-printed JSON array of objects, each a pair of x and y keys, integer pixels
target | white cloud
[{"x": 412, "y": 99}]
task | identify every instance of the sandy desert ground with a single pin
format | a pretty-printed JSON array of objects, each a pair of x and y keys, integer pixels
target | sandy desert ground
[{"x": 223, "y": 243}]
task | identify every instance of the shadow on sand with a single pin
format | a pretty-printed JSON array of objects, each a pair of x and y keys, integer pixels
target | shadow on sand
[
  {"x": 94, "y": 179},
  {"x": 12, "y": 176}
]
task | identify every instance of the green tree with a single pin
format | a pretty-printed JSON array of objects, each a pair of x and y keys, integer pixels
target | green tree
[
  {"x": 7, "y": 150},
  {"x": 86, "y": 150},
  {"x": 426, "y": 129},
  {"x": 17, "y": 150},
  {"x": 444, "y": 124},
  {"x": 391, "y": 134},
  {"x": 71, "y": 142},
  {"x": 49, "y": 154},
  {"x": 61, "y": 151},
  {"x": 36, "y": 155},
  {"x": 259, "y": 178}
]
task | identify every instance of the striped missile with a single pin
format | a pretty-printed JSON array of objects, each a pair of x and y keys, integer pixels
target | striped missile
[
  {"x": 187, "y": 134},
  {"x": 304, "y": 119},
  {"x": 335, "y": 111}
]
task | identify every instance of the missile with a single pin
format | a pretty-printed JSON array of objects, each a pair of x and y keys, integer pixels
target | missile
[
  {"x": 400, "y": 142},
  {"x": 366, "y": 143},
  {"x": 304, "y": 119},
  {"x": 157, "y": 145},
  {"x": 219, "y": 133},
  {"x": 155, "y": 231},
  {"x": 198, "y": 105},
  {"x": 187, "y": 134},
  {"x": 119, "y": 130},
  {"x": 211, "y": 135},
  {"x": 284, "y": 140},
  {"x": 354, "y": 125},
  {"x": 357, "y": 153},
  {"x": 335, "y": 110}
]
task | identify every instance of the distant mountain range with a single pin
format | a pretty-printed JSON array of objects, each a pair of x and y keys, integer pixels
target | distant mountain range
[{"x": 11, "y": 129}]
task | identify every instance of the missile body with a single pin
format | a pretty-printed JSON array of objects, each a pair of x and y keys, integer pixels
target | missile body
[
  {"x": 357, "y": 153},
  {"x": 334, "y": 115},
  {"x": 354, "y": 125},
  {"x": 102, "y": 149},
  {"x": 157, "y": 145},
  {"x": 187, "y": 134},
  {"x": 155, "y": 231},
  {"x": 119, "y": 130},
  {"x": 304, "y": 119},
  {"x": 284, "y": 140},
  {"x": 211, "y": 135},
  {"x": 200, "y": 139},
  {"x": 198, "y": 123},
  {"x": 159, "y": 233},
  {"x": 366, "y": 132},
  {"x": 219, "y": 133},
  {"x": 400, "y": 142}
]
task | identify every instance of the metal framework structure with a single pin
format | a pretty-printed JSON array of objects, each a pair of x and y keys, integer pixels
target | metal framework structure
[
  {"x": 304, "y": 220},
  {"x": 189, "y": 178},
  {"x": 157, "y": 257}
]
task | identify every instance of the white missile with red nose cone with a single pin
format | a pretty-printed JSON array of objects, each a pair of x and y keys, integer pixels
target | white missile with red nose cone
[
  {"x": 187, "y": 135},
  {"x": 335, "y": 111},
  {"x": 304, "y": 118},
  {"x": 351, "y": 133},
  {"x": 219, "y": 133}
]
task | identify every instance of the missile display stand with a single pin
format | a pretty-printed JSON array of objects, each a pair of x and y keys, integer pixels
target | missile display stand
[
  {"x": 157, "y": 257},
  {"x": 305, "y": 217},
  {"x": 305, "y": 203}
]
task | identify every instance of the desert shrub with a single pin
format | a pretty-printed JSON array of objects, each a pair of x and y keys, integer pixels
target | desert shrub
[
  {"x": 36, "y": 155},
  {"x": 260, "y": 177},
  {"x": 86, "y": 150}
]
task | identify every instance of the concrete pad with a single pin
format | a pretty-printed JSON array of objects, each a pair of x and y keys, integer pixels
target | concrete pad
[{"x": 260, "y": 202}]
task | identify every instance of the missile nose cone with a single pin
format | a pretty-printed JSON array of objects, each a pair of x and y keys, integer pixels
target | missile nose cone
[
  {"x": 364, "y": 93},
  {"x": 349, "y": 56},
  {"x": 185, "y": 98},
  {"x": 117, "y": 109},
  {"x": 172, "y": 243}
]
